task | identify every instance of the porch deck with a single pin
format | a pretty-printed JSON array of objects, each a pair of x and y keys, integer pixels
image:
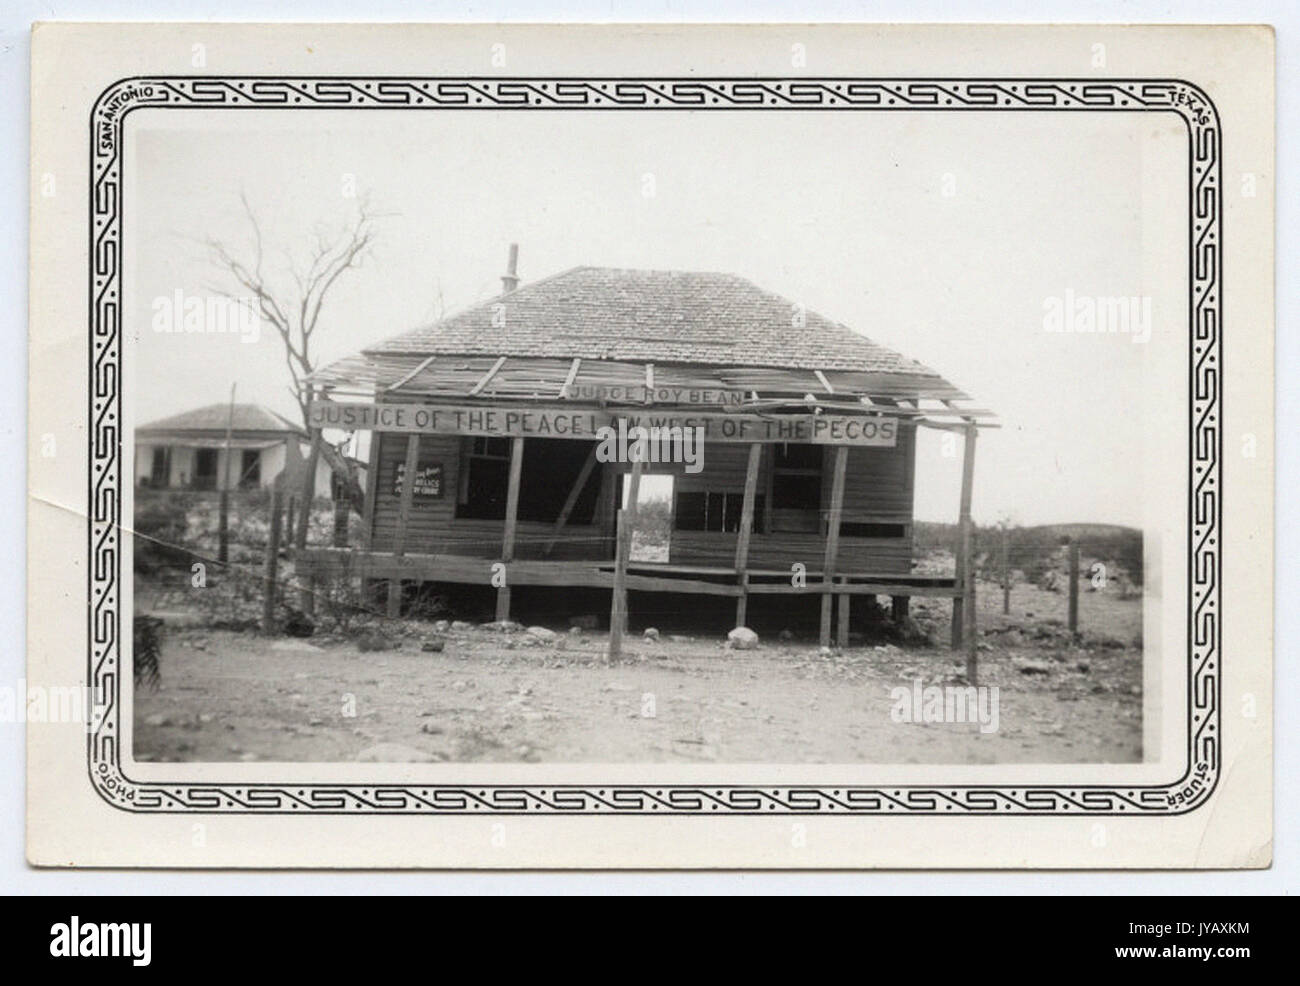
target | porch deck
[{"x": 314, "y": 563}]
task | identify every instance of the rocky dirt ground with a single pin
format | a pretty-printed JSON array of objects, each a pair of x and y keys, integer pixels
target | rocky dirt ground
[{"x": 511, "y": 695}]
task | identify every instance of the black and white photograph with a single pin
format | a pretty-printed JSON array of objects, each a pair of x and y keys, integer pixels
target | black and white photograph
[
  {"x": 529, "y": 447},
  {"x": 771, "y": 437}
]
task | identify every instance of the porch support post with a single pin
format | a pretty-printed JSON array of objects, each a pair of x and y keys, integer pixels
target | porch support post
[
  {"x": 746, "y": 530},
  {"x": 618, "y": 606},
  {"x": 966, "y": 576},
  {"x": 308, "y": 484},
  {"x": 578, "y": 486},
  {"x": 372, "y": 484},
  {"x": 842, "y": 612},
  {"x": 833, "y": 539},
  {"x": 512, "y": 522},
  {"x": 404, "y": 518}
]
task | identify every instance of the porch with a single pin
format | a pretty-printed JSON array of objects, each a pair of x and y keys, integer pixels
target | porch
[{"x": 315, "y": 564}]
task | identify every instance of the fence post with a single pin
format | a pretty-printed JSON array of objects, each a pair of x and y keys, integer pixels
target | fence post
[
  {"x": 1074, "y": 586},
  {"x": 291, "y": 512},
  {"x": 341, "y": 515},
  {"x": 1006, "y": 572},
  {"x": 271, "y": 567},
  {"x": 223, "y": 527}
]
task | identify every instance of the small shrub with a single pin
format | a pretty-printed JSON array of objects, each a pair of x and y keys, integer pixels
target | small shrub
[
  {"x": 161, "y": 535},
  {"x": 146, "y": 638}
]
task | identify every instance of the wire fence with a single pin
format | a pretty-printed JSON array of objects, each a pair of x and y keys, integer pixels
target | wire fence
[{"x": 1083, "y": 577}]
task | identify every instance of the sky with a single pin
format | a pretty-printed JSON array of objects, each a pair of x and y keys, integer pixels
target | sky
[{"x": 949, "y": 237}]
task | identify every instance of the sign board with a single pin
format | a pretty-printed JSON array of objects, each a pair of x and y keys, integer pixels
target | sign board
[
  {"x": 867, "y": 430},
  {"x": 428, "y": 479},
  {"x": 641, "y": 394}
]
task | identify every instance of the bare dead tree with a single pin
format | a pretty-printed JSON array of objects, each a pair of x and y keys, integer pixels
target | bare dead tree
[{"x": 290, "y": 295}]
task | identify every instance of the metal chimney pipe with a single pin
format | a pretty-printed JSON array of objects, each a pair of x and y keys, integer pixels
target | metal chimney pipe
[{"x": 511, "y": 279}]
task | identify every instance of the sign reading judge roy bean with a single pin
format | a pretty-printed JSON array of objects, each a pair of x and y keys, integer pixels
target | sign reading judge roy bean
[{"x": 548, "y": 422}]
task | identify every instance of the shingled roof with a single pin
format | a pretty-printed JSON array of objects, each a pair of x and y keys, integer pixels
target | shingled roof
[
  {"x": 214, "y": 417},
  {"x": 651, "y": 315}
]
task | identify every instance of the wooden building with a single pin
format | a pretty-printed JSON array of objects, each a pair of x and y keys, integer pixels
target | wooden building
[{"x": 809, "y": 445}]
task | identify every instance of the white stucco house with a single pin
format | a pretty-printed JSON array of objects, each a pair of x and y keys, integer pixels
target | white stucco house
[{"x": 188, "y": 451}]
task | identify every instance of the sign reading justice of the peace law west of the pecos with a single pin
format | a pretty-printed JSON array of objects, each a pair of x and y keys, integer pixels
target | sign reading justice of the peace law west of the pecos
[{"x": 874, "y": 431}]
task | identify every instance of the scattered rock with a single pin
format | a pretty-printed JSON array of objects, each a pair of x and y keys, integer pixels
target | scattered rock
[
  {"x": 296, "y": 647},
  {"x": 461, "y": 625},
  {"x": 430, "y": 728},
  {"x": 441, "y": 626},
  {"x": 394, "y": 753},
  {"x": 296, "y": 624},
  {"x": 827, "y": 652},
  {"x": 157, "y": 719},
  {"x": 371, "y": 642},
  {"x": 742, "y": 638},
  {"x": 248, "y": 757},
  {"x": 542, "y": 634},
  {"x": 315, "y": 722},
  {"x": 433, "y": 646},
  {"x": 787, "y": 634},
  {"x": 502, "y": 626},
  {"x": 587, "y": 621},
  {"x": 650, "y": 633},
  {"x": 1033, "y": 667}
]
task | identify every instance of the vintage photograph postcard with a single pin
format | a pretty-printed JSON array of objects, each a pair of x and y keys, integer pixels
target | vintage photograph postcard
[{"x": 791, "y": 446}]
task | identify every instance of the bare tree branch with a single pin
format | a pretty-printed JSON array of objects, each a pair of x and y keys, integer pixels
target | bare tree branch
[{"x": 291, "y": 296}]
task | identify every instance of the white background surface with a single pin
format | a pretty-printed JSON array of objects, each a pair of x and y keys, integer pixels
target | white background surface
[{"x": 16, "y": 876}]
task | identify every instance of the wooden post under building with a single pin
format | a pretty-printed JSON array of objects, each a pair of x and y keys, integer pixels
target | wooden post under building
[
  {"x": 1073, "y": 555},
  {"x": 963, "y": 606},
  {"x": 833, "y": 539},
  {"x": 623, "y": 549},
  {"x": 511, "y": 525},
  {"x": 404, "y": 519},
  {"x": 746, "y": 531},
  {"x": 270, "y": 568}
]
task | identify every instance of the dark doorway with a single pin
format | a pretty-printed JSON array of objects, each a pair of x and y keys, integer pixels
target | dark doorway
[
  {"x": 160, "y": 468},
  {"x": 205, "y": 469}
]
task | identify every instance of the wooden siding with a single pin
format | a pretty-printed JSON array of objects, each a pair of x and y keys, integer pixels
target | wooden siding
[
  {"x": 878, "y": 488},
  {"x": 434, "y": 527}
]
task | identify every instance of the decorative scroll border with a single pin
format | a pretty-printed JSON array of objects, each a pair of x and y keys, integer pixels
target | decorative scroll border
[{"x": 1204, "y": 196}]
